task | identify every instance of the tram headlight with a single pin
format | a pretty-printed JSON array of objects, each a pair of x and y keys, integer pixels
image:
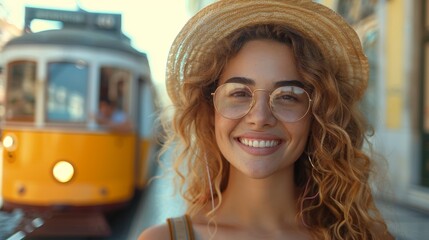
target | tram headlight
[
  {"x": 63, "y": 171},
  {"x": 9, "y": 142}
]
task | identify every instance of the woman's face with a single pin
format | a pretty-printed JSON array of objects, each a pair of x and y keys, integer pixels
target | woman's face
[{"x": 258, "y": 144}]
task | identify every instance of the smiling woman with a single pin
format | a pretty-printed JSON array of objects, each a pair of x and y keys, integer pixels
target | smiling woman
[{"x": 268, "y": 134}]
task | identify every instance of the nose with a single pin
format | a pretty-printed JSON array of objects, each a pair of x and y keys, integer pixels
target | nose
[{"x": 260, "y": 114}]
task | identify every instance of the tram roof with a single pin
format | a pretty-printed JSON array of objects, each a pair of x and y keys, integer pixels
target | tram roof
[{"x": 76, "y": 37}]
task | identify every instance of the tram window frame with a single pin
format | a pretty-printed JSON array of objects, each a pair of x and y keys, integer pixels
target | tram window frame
[
  {"x": 74, "y": 97},
  {"x": 22, "y": 91}
]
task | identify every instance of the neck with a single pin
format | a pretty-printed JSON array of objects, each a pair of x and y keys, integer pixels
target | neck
[{"x": 268, "y": 203}]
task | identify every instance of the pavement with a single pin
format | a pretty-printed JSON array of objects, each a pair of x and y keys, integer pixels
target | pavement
[{"x": 405, "y": 222}]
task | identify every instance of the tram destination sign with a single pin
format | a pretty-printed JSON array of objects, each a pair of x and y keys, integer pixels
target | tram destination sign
[
  {"x": 102, "y": 21},
  {"x": 62, "y": 16}
]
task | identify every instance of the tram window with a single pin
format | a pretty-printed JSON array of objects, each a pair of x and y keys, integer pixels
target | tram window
[
  {"x": 114, "y": 95},
  {"x": 20, "y": 91},
  {"x": 114, "y": 86},
  {"x": 67, "y": 91}
]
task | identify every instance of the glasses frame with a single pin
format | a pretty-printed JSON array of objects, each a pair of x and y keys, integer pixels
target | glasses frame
[{"x": 252, "y": 104}]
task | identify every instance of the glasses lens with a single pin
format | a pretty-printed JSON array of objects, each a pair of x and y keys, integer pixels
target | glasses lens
[
  {"x": 233, "y": 100},
  {"x": 290, "y": 103}
]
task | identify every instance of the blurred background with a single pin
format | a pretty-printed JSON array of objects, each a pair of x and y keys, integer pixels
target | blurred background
[{"x": 394, "y": 34}]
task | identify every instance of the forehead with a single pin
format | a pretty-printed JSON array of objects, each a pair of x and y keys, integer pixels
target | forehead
[{"x": 263, "y": 61}]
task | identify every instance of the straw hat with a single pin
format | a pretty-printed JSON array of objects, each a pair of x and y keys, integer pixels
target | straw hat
[{"x": 338, "y": 41}]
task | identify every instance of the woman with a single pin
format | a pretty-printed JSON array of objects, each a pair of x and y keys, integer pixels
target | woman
[{"x": 266, "y": 113}]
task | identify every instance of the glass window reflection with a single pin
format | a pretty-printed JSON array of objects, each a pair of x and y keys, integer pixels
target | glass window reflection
[
  {"x": 67, "y": 92},
  {"x": 20, "y": 91}
]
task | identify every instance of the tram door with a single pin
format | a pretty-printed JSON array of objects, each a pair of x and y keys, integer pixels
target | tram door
[{"x": 425, "y": 95}]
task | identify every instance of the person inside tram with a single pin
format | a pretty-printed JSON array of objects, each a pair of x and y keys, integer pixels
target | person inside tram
[
  {"x": 267, "y": 133},
  {"x": 113, "y": 118}
]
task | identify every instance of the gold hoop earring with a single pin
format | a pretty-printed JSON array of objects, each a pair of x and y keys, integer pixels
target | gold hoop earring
[
  {"x": 210, "y": 183},
  {"x": 311, "y": 161}
]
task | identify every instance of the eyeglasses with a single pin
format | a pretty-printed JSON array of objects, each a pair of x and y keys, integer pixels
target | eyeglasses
[{"x": 287, "y": 103}]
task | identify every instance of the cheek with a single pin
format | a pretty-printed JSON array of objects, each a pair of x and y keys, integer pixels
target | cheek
[
  {"x": 305, "y": 131},
  {"x": 220, "y": 127},
  {"x": 299, "y": 131},
  {"x": 305, "y": 128},
  {"x": 217, "y": 126},
  {"x": 223, "y": 128}
]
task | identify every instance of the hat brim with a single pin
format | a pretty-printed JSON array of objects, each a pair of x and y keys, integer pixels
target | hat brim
[{"x": 335, "y": 38}]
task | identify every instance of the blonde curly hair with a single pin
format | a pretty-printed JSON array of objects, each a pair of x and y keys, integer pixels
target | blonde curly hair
[{"x": 335, "y": 200}]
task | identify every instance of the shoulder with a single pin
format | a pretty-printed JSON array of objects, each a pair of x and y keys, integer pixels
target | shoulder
[{"x": 157, "y": 232}]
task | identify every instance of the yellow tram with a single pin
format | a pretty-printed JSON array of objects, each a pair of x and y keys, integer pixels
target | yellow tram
[{"x": 57, "y": 156}]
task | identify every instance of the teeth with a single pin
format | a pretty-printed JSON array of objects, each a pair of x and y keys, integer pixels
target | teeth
[{"x": 259, "y": 143}]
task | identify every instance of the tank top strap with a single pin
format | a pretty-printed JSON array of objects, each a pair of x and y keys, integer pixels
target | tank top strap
[{"x": 180, "y": 228}]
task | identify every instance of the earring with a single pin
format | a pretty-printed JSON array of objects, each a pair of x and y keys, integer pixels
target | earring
[
  {"x": 308, "y": 198},
  {"x": 311, "y": 161},
  {"x": 210, "y": 183}
]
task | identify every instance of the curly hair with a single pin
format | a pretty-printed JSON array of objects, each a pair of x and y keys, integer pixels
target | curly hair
[{"x": 335, "y": 195}]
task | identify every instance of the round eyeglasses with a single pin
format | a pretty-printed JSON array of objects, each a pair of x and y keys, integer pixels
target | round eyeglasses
[{"x": 287, "y": 103}]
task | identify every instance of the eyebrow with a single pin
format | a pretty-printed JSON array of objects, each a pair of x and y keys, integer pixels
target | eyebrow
[
  {"x": 243, "y": 80},
  {"x": 249, "y": 81},
  {"x": 289, "y": 83}
]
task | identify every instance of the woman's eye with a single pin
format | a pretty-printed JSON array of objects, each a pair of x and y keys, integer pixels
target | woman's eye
[
  {"x": 288, "y": 97},
  {"x": 241, "y": 93},
  {"x": 289, "y": 94}
]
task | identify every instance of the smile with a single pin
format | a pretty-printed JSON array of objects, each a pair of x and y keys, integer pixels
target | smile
[{"x": 259, "y": 143}]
